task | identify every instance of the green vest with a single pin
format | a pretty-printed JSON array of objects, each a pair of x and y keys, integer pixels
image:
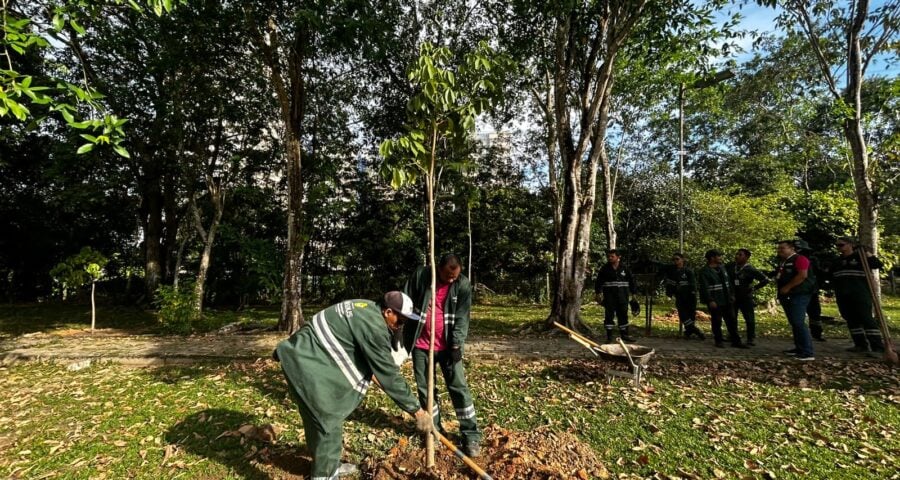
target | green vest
[
  {"x": 330, "y": 361},
  {"x": 788, "y": 270}
]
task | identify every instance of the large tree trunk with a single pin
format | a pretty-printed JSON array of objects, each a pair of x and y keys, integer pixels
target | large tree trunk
[
  {"x": 594, "y": 72},
  {"x": 153, "y": 230},
  {"x": 291, "y": 312},
  {"x": 290, "y": 90}
]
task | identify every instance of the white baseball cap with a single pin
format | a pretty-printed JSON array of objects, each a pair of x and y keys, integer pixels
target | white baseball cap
[{"x": 401, "y": 304}]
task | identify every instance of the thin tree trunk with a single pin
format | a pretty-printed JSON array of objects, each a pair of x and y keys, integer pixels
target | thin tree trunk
[
  {"x": 429, "y": 185},
  {"x": 469, "y": 228},
  {"x": 291, "y": 313},
  {"x": 864, "y": 188},
  {"x": 93, "y": 306},
  {"x": 209, "y": 237},
  {"x": 152, "y": 236},
  {"x": 608, "y": 194},
  {"x": 290, "y": 90},
  {"x": 179, "y": 256}
]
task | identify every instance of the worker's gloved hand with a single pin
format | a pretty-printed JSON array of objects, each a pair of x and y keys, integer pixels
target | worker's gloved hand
[
  {"x": 455, "y": 355},
  {"x": 449, "y": 357},
  {"x": 424, "y": 423},
  {"x": 635, "y": 307}
]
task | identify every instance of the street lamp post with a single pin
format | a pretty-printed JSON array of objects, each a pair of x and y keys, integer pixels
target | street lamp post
[{"x": 719, "y": 76}]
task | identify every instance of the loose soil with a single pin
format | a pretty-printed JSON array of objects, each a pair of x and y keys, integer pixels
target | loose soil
[{"x": 540, "y": 454}]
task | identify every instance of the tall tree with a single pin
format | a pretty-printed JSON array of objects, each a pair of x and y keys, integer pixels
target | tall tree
[
  {"x": 585, "y": 38},
  {"x": 841, "y": 41}
]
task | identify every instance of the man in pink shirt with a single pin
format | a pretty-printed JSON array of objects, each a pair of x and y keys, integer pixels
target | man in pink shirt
[
  {"x": 453, "y": 300},
  {"x": 796, "y": 282}
]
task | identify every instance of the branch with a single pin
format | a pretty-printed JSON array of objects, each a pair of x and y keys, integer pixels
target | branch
[
  {"x": 198, "y": 222},
  {"x": 799, "y": 11},
  {"x": 889, "y": 25}
]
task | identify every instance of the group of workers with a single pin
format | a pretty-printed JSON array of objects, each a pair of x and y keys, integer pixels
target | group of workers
[
  {"x": 330, "y": 362},
  {"x": 728, "y": 290}
]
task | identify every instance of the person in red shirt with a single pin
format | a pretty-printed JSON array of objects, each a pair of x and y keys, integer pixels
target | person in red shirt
[
  {"x": 453, "y": 303},
  {"x": 796, "y": 282}
]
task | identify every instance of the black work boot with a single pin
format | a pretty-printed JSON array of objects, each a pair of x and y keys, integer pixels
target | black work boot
[
  {"x": 609, "y": 336},
  {"x": 473, "y": 449},
  {"x": 623, "y": 334},
  {"x": 875, "y": 343},
  {"x": 816, "y": 332},
  {"x": 696, "y": 331}
]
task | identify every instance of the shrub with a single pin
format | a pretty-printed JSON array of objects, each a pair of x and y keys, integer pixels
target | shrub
[{"x": 176, "y": 310}]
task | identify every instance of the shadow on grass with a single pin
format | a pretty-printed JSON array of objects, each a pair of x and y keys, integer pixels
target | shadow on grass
[
  {"x": 200, "y": 434},
  {"x": 21, "y": 319},
  {"x": 378, "y": 418}
]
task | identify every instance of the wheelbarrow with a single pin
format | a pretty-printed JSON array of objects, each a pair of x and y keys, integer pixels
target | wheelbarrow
[{"x": 635, "y": 356}]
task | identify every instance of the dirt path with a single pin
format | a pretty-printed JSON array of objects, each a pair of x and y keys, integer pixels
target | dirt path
[{"x": 148, "y": 350}]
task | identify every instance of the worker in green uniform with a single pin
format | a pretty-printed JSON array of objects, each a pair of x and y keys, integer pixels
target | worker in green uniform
[
  {"x": 854, "y": 299},
  {"x": 329, "y": 363},
  {"x": 453, "y": 302},
  {"x": 746, "y": 280},
  {"x": 682, "y": 284},
  {"x": 717, "y": 293},
  {"x": 613, "y": 288}
]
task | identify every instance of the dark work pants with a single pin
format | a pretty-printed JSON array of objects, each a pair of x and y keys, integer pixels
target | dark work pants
[
  {"x": 726, "y": 313},
  {"x": 814, "y": 312},
  {"x": 746, "y": 306},
  {"x": 857, "y": 311},
  {"x": 616, "y": 311},
  {"x": 687, "y": 311}
]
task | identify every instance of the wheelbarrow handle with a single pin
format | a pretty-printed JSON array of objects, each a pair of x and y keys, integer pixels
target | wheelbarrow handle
[
  {"x": 575, "y": 335},
  {"x": 583, "y": 343},
  {"x": 627, "y": 352}
]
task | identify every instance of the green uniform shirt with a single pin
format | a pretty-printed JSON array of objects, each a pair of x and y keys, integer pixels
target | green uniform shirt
[
  {"x": 714, "y": 285},
  {"x": 330, "y": 361},
  {"x": 456, "y": 308}
]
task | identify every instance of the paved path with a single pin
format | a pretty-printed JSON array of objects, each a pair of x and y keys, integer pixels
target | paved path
[{"x": 148, "y": 350}]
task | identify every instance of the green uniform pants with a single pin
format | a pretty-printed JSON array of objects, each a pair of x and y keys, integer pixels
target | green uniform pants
[
  {"x": 324, "y": 446},
  {"x": 460, "y": 396}
]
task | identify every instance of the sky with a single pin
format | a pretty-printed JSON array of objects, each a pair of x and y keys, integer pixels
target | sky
[{"x": 762, "y": 19}]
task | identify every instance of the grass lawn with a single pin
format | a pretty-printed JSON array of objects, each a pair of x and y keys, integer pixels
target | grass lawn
[
  {"x": 493, "y": 319},
  {"x": 704, "y": 420}
]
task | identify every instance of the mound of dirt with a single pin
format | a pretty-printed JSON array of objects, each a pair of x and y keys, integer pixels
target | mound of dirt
[{"x": 539, "y": 454}]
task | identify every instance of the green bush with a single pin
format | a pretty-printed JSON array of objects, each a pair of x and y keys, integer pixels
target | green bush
[{"x": 176, "y": 310}]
